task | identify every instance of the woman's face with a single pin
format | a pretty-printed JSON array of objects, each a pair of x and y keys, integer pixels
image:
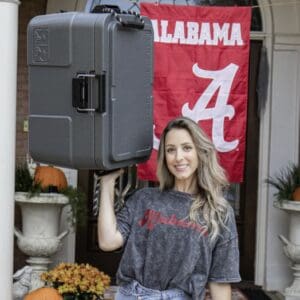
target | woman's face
[{"x": 181, "y": 155}]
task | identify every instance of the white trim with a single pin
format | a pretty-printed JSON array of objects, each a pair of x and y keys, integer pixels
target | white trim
[
  {"x": 287, "y": 39},
  {"x": 264, "y": 145},
  {"x": 8, "y": 87},
  {"x": 11, "y": 1},
  {"x": 284, "y": 139},
  {"x": 259, "y": 35}
]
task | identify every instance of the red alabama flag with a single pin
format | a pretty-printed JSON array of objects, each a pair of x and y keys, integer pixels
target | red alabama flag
[{"x": 201, "y": 57}]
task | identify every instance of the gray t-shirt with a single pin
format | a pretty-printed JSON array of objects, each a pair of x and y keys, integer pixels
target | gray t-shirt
[{"x": 164, "y": 249}]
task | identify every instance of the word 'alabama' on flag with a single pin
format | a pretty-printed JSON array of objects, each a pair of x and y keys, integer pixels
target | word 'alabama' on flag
[{"x": 201, "y": 58}]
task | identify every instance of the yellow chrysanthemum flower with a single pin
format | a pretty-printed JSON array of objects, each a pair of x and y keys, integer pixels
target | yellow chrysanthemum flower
[{"x": 77, "y": 279}]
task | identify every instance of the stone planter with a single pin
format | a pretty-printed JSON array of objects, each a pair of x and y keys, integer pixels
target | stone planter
[
  {"x": 40, "y": 238},
  {"x": 292, "y": 245}
]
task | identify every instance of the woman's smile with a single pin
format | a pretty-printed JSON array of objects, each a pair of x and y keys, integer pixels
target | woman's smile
[{"x": 181, "y": 167}]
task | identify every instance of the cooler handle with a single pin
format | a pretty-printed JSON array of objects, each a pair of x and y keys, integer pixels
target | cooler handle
[
  {"x": 80, "y": 92},
  {"x": 126, "y": 18},
  {"x": 101, "y": 93}
]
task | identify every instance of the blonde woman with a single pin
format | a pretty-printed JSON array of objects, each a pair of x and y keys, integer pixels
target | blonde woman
[{"x": 180, "y": 237}]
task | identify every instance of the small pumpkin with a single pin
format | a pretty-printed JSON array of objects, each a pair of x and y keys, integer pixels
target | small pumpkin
[
  {"x": 44, "y": 293},
  {"x": 296, "y": 194},
  {"x": 49, "y": 176}
]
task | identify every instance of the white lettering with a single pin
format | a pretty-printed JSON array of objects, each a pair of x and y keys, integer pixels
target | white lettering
[
  {"x": 236, "y": 35},
  {"x": 221, "y": 83},
  {"x": 165, "y": 36},
  {"x": 156, "y": 140},
  {"x": 155, "y": 30},
  {"x": 220, "y": 34},
  {"x": 179, "y": 33},
  {"x": 193, "y": 33},
  {"x": 205, "y": 37}
]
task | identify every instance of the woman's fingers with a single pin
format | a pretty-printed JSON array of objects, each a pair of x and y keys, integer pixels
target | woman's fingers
[{"x": 111, "y": 177}]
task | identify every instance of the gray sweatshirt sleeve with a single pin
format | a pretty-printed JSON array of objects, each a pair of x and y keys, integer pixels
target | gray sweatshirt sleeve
[
  {"x": 125, "y": 216},
  {"x": 225, "y": 256}
]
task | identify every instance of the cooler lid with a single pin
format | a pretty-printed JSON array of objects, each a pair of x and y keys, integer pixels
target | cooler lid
[{"x": 131, "y": 92}]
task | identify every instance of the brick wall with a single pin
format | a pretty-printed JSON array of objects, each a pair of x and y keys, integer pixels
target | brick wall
[{"x": 27, "y": 10}]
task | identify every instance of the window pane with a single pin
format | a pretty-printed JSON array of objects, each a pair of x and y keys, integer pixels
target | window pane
[{"x": 256, "y": 23}]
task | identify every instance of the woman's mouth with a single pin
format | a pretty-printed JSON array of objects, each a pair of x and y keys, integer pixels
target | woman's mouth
[{"x": 180, "y": 168}]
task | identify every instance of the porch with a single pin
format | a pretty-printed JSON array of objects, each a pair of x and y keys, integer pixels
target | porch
[{"x": 278, "y": 127}]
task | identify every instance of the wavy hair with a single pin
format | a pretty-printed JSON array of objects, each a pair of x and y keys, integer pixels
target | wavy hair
[{"x": 211, "y": 178}]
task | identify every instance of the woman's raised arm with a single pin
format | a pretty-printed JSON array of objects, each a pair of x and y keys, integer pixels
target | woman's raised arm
[{"x": 109, "y": 238}]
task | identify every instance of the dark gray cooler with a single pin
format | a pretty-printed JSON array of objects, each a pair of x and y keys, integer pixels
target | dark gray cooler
[{"x": 90, "y": 89}]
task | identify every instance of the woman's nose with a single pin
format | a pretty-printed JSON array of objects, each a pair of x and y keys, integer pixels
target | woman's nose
[{"x": 179, "y": 155}]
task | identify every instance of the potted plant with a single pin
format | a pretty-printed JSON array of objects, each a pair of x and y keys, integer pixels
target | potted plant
[
  {"x": 72, "y": 281},
  {"x": 41, "y": 196},
  {"x": 77, "y": 281},
  {"x": 286, "y": 183},
  {"x": 51, "y": 180}
]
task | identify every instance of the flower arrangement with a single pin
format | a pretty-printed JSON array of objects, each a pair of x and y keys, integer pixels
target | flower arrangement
[{"x": 77, "y": 281}]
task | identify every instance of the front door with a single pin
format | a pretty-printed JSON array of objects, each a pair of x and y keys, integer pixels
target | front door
[{"x": 244, "y": 200}]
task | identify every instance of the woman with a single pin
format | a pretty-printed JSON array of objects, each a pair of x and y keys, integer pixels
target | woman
[{"x": 181, "y": 236}]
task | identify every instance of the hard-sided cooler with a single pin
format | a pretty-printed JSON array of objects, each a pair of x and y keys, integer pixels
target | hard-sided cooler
[{"x": 90, "y": 89}]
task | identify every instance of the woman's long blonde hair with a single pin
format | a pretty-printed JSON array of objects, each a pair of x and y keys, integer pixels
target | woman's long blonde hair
[{"x": 211, "y": 178}]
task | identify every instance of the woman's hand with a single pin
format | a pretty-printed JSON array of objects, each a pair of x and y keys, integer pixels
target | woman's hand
[
  {"x": 111, "y": 177},
  {"x": 220, "y": 291},
  {"x": 107, "y": 183}
]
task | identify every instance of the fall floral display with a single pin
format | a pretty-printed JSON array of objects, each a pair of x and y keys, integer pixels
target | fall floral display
[
  {"x": 49, "y": 179},
  {"x": 77, "y": 281}
]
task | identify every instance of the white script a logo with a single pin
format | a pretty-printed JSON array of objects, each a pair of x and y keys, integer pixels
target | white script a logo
[{"x": 221, "y": 83}]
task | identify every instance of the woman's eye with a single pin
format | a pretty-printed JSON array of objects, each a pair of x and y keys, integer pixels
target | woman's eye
[
  {"x": 187, "y": 148},
  {"x": 170, "y": 150}
]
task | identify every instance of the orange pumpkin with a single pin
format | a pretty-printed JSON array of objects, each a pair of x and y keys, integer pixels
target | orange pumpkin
[
  {"x": 50, "y": 176},
  {"x": 44, "y": 293},
  {"x": 296, "y": 194}
]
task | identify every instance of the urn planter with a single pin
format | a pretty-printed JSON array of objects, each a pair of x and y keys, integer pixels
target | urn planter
[
  {"x": 292, "y": 244},
  {"x": 40, "y": 237}
]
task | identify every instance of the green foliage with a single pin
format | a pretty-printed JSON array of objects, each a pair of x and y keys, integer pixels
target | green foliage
[
  {"x": 77, "y": 199},
  {"x": 77, "y": 202},
  {"x": 23, "y": 179},
  {"x": 285, "y": 182}
]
